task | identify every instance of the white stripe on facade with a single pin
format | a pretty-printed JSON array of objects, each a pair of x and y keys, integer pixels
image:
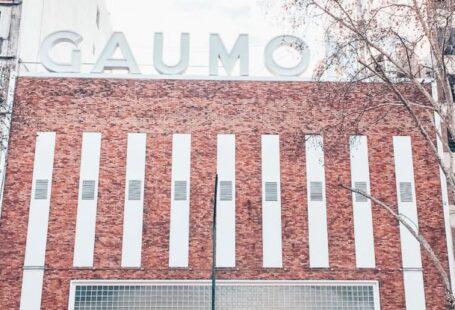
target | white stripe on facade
[
  {"x": 414, "y": 289},
  {"x": 134, "y": 200},
  {"x": 32, "y": 287},
  {"x": 84, "y": 244},
  {"x": 410, "y": 248},
  {"x": 317, "y": 211},
  {"x": 180, "y": 202},
  {"x": 35, "y": 249},
  {"x": 445, "y": 199},
  {"x": 363, "y": 221},
  {"x": 271, "y": 202},
  {"x": 225, "y": 217}
]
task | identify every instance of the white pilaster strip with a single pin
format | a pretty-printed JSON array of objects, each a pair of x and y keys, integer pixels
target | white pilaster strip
[
  {"x": 363, "y": 221},
  {"x": 317, "y": 211},
  {"x": 84, "y": 243},
  {"x": 225, "y": 217},
  {"x": 35, "y": 249},
  {"x": 410, "y": 247},
  {"x": 134, "y": 200},
  {"x": 445, "y": 203},
  {"x": 32, "y": 287},
  {"x": 271, "y": 202},
  {"x": 180, "y": 200}
]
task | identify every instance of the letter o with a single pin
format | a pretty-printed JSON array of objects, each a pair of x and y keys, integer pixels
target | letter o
[{"x": 290, "y": 41}]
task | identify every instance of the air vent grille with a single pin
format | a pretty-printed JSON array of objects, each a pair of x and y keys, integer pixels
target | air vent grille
[
  {"x": 41, "y": 188},
  {"x": 406, "y": 192},
  {"x": 226, "y": 190},
  {"x": 271, "y": 191},
  {"x": 88, "y": 189},
  {"x": 316, "y": 191},
  {"x": 134, "y": 189},
  {"x": 180, "y": 189},
  {"x": 361, "y": 186}
]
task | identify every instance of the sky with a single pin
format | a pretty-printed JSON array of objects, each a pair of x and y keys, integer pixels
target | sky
[{"x": 229, "y": 18}]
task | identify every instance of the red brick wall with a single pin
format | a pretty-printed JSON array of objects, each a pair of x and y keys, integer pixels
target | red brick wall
[{"x": 206, "y": 108}]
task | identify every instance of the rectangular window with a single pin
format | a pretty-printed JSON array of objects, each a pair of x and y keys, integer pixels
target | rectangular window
[
  {"x": 450, "y": 49},
  {"x": 253, "y": 295}
]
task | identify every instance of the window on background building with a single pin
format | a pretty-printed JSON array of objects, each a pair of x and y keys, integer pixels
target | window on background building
[
  {"x": 452, "y": 85},
  {"x": 451, "y": 44},
  {"x": 450, "y": 142},
  {"x": 98, "y": 17}
]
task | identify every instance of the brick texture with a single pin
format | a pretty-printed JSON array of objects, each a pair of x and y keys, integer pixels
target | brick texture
[{"x": 205, "y": 109}]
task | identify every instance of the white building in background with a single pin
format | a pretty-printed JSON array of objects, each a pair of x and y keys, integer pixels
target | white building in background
[{"x": 89, "y": 18}]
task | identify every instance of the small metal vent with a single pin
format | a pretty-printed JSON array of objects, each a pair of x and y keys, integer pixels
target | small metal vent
[
  {"x": 361, "y": 186},
  {"x": 226, "y": 190},
  {"x": 271, "y": 191},
  {"x": 405, "y": 191},
  {"x": 134, "y": 189},
  {"x": 316, "y": 191},
  {"x": 88, "y": 189},
  {"x": 41, "y": 189},
  {"x": 180, "y": 190}
]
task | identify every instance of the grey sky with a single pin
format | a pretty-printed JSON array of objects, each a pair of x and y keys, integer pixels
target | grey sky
[{"x": 199, "y": 18}]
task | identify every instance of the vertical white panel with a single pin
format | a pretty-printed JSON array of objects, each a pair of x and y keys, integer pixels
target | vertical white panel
[
  {"x": 134, "y": 200},
  {"x": 32, "y": 287},
  {"x": 445, "y": 200},
  {"x": 180, "y": 208},
  {"x": 84, "y": 244},
  {"x": 35, "y": 249},
  {"x": 225, "y": 217},
  {"x": 271, "y": 202},
  {"x": 414, "y": 290},
  {"x": 39, "y": 208},
  {"x": 363, "y": 221},
  {"x": 410, "y": 247},
  {"x": 317, "y": 211}
]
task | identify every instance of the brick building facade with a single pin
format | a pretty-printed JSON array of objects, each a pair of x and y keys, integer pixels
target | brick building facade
[{"x": 286, "y": 148}]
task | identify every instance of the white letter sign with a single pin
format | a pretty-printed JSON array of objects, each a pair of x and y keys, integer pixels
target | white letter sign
[
  {"x": 239, "y": 51},
  {"x": 291, "y": 41},
  {"x": 56, "y": 38},
  {"x": 106, "y": 60},
  {"x": 182, "y": 65}
]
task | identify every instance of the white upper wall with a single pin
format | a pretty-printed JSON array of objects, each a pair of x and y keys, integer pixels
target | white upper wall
[{"x": 42, "y": 17}]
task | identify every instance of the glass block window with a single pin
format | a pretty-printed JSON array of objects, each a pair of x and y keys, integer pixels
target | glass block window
[{"x": 229, "y": 297}]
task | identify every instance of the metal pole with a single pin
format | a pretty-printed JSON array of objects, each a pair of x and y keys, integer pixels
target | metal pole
[{"x": 214, "y": 245}]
